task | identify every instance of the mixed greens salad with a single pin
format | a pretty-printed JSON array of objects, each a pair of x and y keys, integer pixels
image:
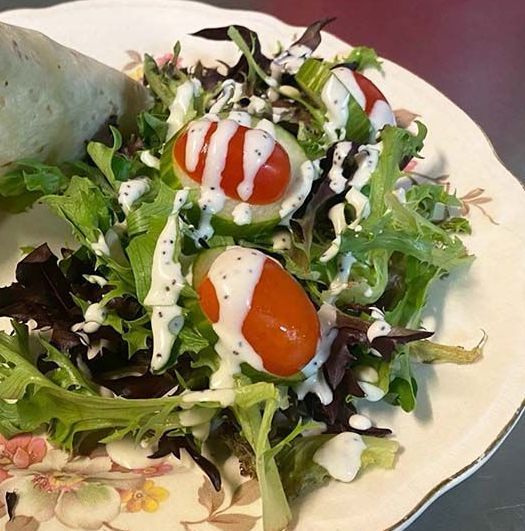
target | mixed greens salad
[{"x": 251, "y": 268}]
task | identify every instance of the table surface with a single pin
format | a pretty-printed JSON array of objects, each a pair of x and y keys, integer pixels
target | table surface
[{"x": 473, "y": 51}]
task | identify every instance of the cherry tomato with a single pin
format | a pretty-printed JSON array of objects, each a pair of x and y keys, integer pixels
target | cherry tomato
[
  {"x": 282, "y": 324},
  {"x": 270, "y": 182},
  {"x": 371, "y": 92}
]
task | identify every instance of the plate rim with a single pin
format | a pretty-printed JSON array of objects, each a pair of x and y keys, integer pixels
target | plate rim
[{"x": 473, "y": 466}]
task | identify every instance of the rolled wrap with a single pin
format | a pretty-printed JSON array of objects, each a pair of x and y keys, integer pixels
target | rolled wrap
[{"x": 53, "y": 99}]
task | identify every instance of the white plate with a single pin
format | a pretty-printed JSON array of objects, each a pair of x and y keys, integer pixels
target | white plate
[{"x": 463, "y": 413}]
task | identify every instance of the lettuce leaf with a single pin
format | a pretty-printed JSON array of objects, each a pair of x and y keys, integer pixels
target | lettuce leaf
[
  {"x": 300, "y": 474},
  {"x": 254, "y": 410},
  {"x": 363, "y": 57}
]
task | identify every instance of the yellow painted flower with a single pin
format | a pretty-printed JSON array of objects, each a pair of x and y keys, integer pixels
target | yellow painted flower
[{"x": 147, "y": 498}]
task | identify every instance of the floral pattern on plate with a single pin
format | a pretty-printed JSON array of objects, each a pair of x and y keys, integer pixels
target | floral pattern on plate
[{"x": 43, "y": 486}]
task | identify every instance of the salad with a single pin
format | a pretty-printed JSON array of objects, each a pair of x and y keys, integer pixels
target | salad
[{"x": 251, "y": 269}]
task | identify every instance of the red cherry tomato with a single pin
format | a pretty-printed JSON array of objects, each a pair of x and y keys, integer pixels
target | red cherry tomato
[
  {"x": 270, "y": 182},
  {"x": 371, "y": 92},
  {"x": 281, "y": 326}
]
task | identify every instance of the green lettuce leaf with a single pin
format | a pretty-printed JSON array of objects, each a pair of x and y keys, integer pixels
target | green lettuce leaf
[
  {"x": 363, "y": 57},
  {"x": 300, "y": 474},
  {"x": 87, "y": 210}
]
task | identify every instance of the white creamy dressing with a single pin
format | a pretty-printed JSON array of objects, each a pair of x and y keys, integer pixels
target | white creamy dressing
[
  {"x": 258, "y": 146},
  {"x": 377, "y": 329},
  {"x": 381, "y": 114},
  {"x": 195, "y": 142},
  {"x": 131, "y": 191},
  {"x": 181, "y": 106},
  {"x": 340, "y": 281},
  {"x": 241, "y": 117},
  {"x": 336, "y": 214},
  {"x": 341, "y": 456},
  {"x": 212, "y": 198},
  {"x": 366, "y": 165},
  {"x": 167, "y": 282},
  {"x": 317, "y": 385},
  {"x": 266, "y": 125},
  {"x": 290, "y": 60},
  {"x": 100, "y": 247},
  {"x": 224, "y": 397},
  {"x": 335, "y": 97},
  {"x": 299, "y": 191},
  {"x": 242, "y": 214},
  {"x": 315, "y": 381},
  {"x": 235, "y": 298},
  {"x": 359, "y": 422},
  {"x": 231, "y": 91},
  {"x": 367, "y": 378},
  {"x": 148, "y": 159},
  {"x": 282, "y": 240},
  {"x": 337, "y": 180},
  {"x": 372, "y": 392},
  {"x": 360, "y": 204},
  {"x": 96, "y": 279},
  {"x": 95, "y": 348},
  {"x": 195, "y": 416},
  {"x": 94, "y": 318},
  {"x": 257, "y": 105}
]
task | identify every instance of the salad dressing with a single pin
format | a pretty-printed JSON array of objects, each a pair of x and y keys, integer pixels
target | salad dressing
[
  {"x": 241, "y": 117},
  {"x": 167, "y": 282},
  {"x": 181, "y": 106},
  {"x": 149, "y": 160},
  {"x": 266, "y": 125},
  {"x": 340, "y": 281},
  {"x": 96, "y": 279},
  {"x": 282, "y": 240},
  {"x": 212, "y": 198},
  {"x": 337, "y": 216},
  {"x": 131, "y": 191},
  {"x": 381, "y": 115},
  {"x": 100, "y": 247},
  {"x": 335, "y": 176},
  {"x": 290, "y": 60},
  {"x": 341, "y": 456},
  {"x": 315, "y": 381},
  {"x": 230, "y": 93},
  {"x": 242, "y": 214},
  {"x": 335, "y": 97},
  {"x": 235, "y": 298},
  {"x": 94, "y": 318},
  {"x": 299, "y": 192},
  {"x": 373, "y": 393},
  {"x": 359, "y": 422},
  {"x": 195, "y": 142},
  {"x": 315, "y": 384},
  {"x": 224, "y": 397},
  {"x": 258, "y": 146},
  {"x": 257, "y": 105},
  {"x": 367, "y": 164}
]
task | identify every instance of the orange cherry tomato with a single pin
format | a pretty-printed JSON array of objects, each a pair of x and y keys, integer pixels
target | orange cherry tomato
[
  {"x": 282, "y": 324},
  {"x": 270, "y": 182}
]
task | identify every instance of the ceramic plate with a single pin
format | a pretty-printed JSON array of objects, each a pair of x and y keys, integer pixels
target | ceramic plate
[{"x": 464, "y": 412}]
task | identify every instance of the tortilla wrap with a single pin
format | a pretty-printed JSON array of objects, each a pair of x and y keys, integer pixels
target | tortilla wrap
[{"x": 53, "y": 99}]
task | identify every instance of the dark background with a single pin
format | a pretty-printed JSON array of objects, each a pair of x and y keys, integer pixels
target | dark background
[{"x": 474, "y": 52}]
